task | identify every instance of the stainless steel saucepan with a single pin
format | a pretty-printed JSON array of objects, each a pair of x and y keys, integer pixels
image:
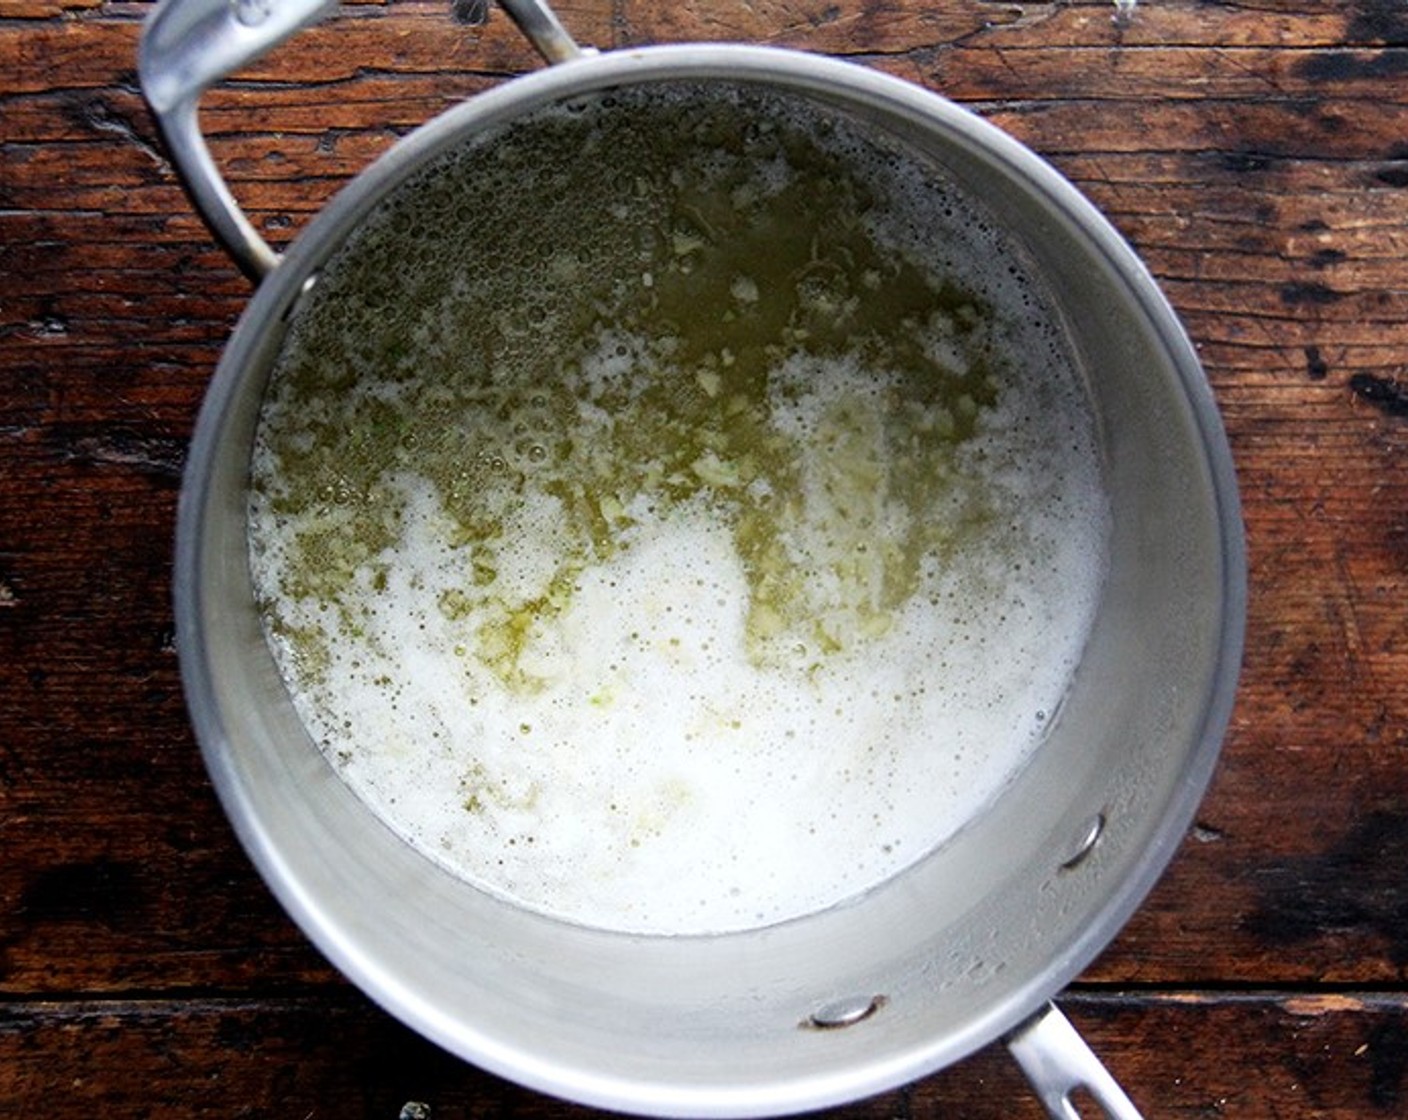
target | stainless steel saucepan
[{"x": 965, "y": 948}]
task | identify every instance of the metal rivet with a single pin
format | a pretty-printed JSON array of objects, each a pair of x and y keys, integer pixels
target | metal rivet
[
  {"x": 295, "y": 304},
  {"x": 844, "y": 1012},
  {"x": 1085, "y": 842},
  {"x": 252, "y": 13}
]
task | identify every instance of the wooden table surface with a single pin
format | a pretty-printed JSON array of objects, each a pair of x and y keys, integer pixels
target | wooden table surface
[{"x": 1255, "y": 153}]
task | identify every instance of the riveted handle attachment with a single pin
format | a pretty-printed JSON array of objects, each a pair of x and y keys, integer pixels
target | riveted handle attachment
[
  {"x": 1057, "y": 1062},
  {"x": 189, "y": 45}
]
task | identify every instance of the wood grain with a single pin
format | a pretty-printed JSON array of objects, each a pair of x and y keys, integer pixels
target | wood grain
[
  {"x": 1255, "y": 154},
  {"x": 1333, "y": 1057}
]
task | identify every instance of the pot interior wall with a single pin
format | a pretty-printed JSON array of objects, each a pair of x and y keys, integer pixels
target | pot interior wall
[{"x": 962, "y": 945}]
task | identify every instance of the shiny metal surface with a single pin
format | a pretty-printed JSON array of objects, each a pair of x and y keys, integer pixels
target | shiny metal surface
[
  {"x": 1057, "y": 1062},
  {"x": 187, "y": 46},
  {"x": 541, "y": 27},
  {"x": 965, "y": 946}
]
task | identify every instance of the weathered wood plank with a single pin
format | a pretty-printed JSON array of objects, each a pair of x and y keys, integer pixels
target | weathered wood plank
[
  {"x": 1196, "y": 1055},
  {"x": 890, "y": 28}
]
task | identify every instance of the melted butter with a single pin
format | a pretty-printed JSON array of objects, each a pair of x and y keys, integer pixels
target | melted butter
[{"x": 682, "y": 500}]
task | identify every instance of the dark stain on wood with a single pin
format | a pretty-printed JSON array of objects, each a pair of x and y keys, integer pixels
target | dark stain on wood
[
  {"x": 1382, "y": 21},
  {"x": 1323, "y": 258},
  {"x": 1388, "y": 394},
  {"x": 1372, "y": 22},
  {"x": 238, "y": 1034},
  {"x": 1388, "y": 1064},
  {"x": 1242, "y": 162},
  {"x": 1357, "y": 885},
  {"x": 1315, "y": 367},
  {"x": 1349, "y": 66},
  {"x": 1309, "y": 292},
  {"x": 1393, "y": 175},
  {"x": 97, "y": 892}
]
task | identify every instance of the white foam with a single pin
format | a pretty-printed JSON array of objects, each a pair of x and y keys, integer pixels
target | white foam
[{"x": 659, "y": 782}]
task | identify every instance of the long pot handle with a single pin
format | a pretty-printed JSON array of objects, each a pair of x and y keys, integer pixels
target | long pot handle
[
  {"x": 189, "y": 45},
  {"x": 1057, "y": 1062}
]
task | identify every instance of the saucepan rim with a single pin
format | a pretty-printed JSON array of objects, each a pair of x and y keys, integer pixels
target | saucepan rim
[{"x": 276, "y": 299}]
